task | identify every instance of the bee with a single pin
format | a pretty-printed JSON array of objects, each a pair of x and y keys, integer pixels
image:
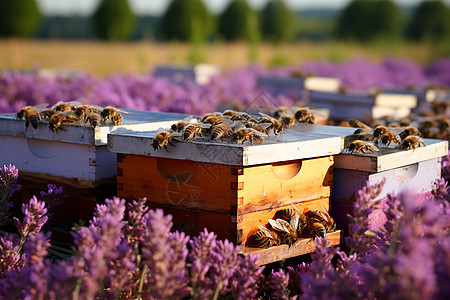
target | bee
[
  {"x": 389, "y": 137},
  {"x": 319, "y": 222},
  {"x": 261, "y": 127},
  {"x": 62, "y": 106},
  {"x": 362, "y": 146},
  {"x": 216, "y": 120},
  {"x": 46, "y": 113},
  {"x": 294, "y": 216},
  {"x": 114, "y": 114},
  {"x": 379, "y": 131},
  {"x": 190, "y": 130},
  {"x": 31, "y": 115},
  {"x": 405, "y": 122},
  {"x": 263, "y": 238},
  {"x": 407, "y": 131},
  {"x": 358, "y": 124},
  {"x": 443, "y": 124},
  {"x": 213, "y": 114},
  {"x": 82, "y": 111},
  {"x": 412, "y": 142},
  {"x": 180, "y": 125},
  {"x": 221, "y": 131},
  {"x": 276, "y": 126},
  {"x": 237, "y": 115},
  {"x": 280, "y": 111},
  {"x": 287, "y": 119},
  {"x": 242, "y": 134},
  {"x": 93, "y": 118},
  {"x": 164, "y": 137},
  {"x": 288, "y": 230},
  {"x": 305, "y": 115},
  {"x": 61, "y": 118}
]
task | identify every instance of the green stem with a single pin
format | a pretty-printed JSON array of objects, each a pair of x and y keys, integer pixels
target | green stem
[
  {"x": 76, "y": 290},
  {"x": 141, "y": 282},
  {"x": 218, "y": 288},
  {"x": 395, "y": 239}
]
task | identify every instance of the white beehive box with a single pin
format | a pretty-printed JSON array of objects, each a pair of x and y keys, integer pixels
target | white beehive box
[
  {"x": 76, "y": 158},
  {"x": 345, "y": 106}
]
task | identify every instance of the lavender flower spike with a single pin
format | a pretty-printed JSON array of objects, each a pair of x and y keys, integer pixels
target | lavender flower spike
[
  {"x": 8, "y": 185},
  {"x": 34, "y": 218}
]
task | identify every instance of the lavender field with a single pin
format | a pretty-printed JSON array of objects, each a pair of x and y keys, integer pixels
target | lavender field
[
  {"x": 128, "y": 251},
  {"x": 235, "y": 87}
]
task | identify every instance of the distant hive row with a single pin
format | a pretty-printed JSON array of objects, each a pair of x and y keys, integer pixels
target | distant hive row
[{"x": 64, "y": 113}]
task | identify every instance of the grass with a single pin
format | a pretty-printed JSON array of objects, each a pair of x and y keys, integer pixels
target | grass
[{"x": 103, "y": 58}]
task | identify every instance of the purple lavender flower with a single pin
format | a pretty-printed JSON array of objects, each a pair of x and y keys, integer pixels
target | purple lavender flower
[
  {"x": 8, "y": 185},
  {"x": 35, "y": 217},
  {"x": 245, "y": 279},
  {"x": 36, "y": 247},
  {"x": 53, "y": 197},
  {"x": 9, "y": 253}
]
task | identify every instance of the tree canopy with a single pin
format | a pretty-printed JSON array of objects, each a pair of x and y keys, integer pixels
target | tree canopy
[
  {"x": 365, "y": 20},
  {"x": 277, "y": 21},
  {"x": 235, "y": 20},
  {"x": 430, "y": 21},
  {"x": 184, "y": 16},
  {"x": 19, "y": 18},
  {"x": 113, "y": 20}
]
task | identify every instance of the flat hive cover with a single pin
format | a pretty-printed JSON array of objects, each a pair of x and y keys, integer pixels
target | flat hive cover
[
  {"x": 85, "y": 134},
  {"x": 291, "y": 145}
]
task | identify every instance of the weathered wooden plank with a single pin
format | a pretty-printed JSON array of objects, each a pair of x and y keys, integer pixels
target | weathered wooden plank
[
  {"x": 83, "y": 134},
  {"x": 289, "y": 146},
  {"x": 277, "y": 253},
  {"x": 391, "y": 158}
]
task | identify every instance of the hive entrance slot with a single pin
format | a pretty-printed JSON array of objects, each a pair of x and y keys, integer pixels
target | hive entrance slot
[
  {"x": 407, "y": 173},
  {"x": 286, "y": 170},
  {"x": 42, "y": 149}
]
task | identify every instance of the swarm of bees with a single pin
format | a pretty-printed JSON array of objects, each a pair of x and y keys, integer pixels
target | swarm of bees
[
  {"x": 289, "y": 225},
  {"x": 365, "y": 138},
  {"x": 233, "y": 126},
  {"x": 65, "y": 113}
]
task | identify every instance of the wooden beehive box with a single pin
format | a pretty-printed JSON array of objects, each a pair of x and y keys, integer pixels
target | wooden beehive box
[
  {"x": 404, "y": 170},
  {"x": 76, "y": 159},
  {"x": 364, "y": 106},
  {"x": 228, "y": 188}
]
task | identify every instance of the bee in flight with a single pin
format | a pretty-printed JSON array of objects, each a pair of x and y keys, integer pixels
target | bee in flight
[{"x": 31, "y": 114}]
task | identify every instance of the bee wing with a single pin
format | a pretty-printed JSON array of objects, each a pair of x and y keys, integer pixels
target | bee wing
[
  {"x": 375, "y": 148},
  {"x": 96, "y": 107},
  {"x": 206, "y": 126},
  {"x": 237, "y": 125},
  {"x": 188, "y": 118},
  {"x": 396, "y": 130},
  {"x": 160, "y": 129},
  {"x": 264, "y": 115},
  {"x": 294, "y": 221},
  {"x": 266, "y": 231},
  {"x": 41, "y": 106},
  {"x": 176, "y": 135},
  {"x": 256, "y": 131},
  {"x": 358, "y": 124},
  {"x": 67, "y": 113},
  {"x": 265, "y": 125},
  {"x": 279, "y": 225}
]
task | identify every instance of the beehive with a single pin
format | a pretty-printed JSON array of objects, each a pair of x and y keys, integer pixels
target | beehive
[
  {"x": 404, "y": 170},
  {"x": 76, "y": 159},
  {"x": 199, "y": 74},
  {"x": 363, "y": 106},
  {"x": 227, "y": 188}
]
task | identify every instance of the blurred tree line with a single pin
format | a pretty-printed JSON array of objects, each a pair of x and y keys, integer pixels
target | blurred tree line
[{"x": 190, "y": 20}]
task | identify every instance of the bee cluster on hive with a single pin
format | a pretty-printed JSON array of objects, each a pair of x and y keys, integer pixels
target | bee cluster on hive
[
  {"x": 233, "y": 126},
  {"x": 71, "y": 112},
  {"x": 289, "y": 225},
  {"x": 365, "y": 138}
]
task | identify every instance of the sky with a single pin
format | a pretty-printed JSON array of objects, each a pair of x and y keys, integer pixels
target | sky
[{"x": 156, "y": 7}]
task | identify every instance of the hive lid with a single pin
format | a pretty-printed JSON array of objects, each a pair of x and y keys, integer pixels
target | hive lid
[
  {"x": 364, "y": 99},
  {"x": 391, "y": 158},
  {"x": 291, "y": 145},
  {"x": 87, "y": 135}
]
